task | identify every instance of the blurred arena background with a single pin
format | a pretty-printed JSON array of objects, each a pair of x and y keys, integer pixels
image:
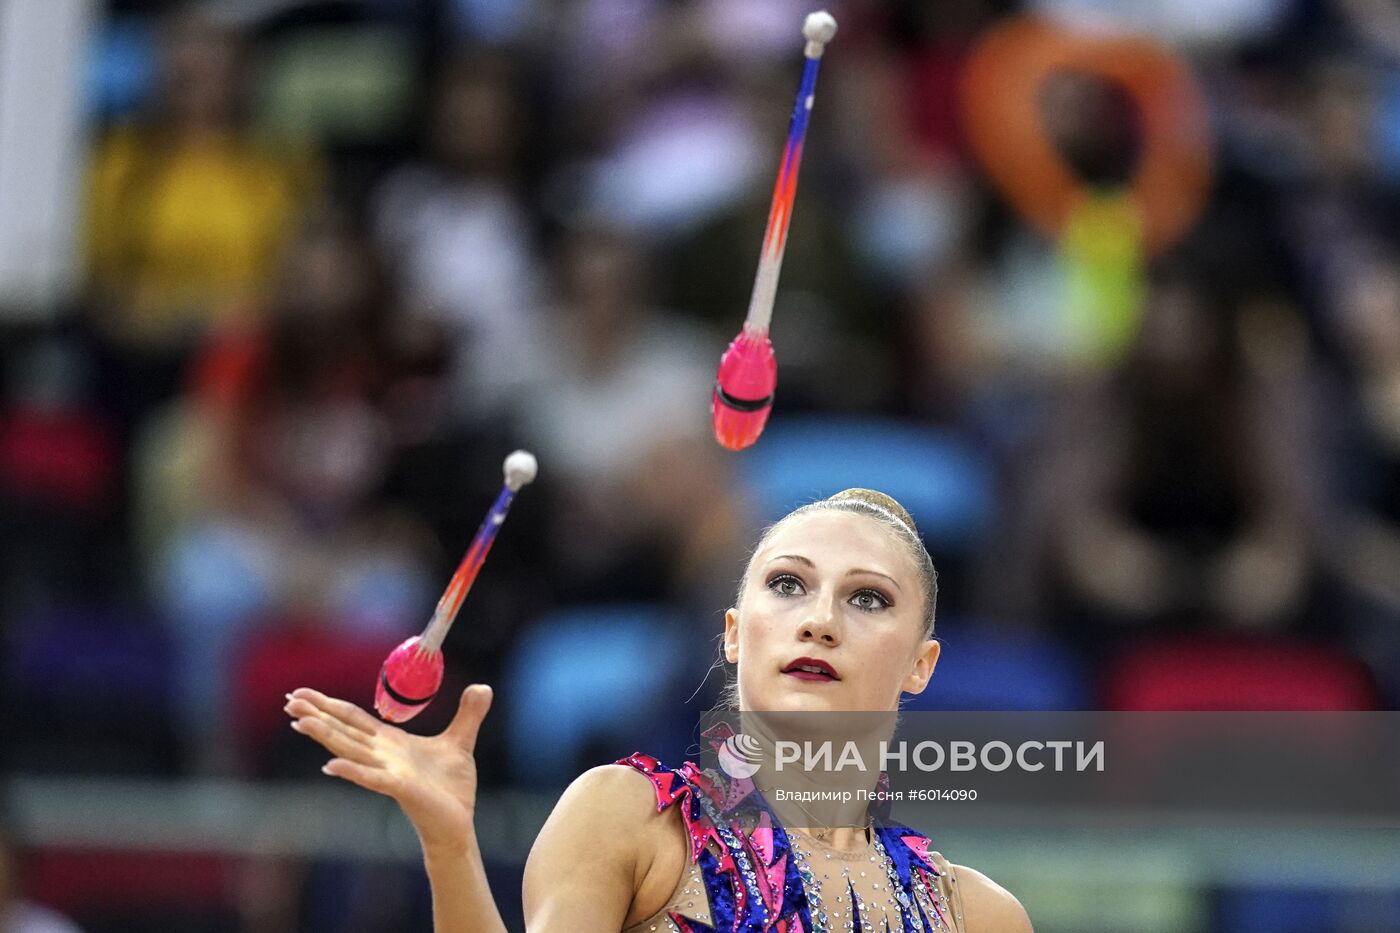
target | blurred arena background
[{"x": 281, "y": 281}]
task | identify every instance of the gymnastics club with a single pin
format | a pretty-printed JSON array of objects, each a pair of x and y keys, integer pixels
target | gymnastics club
[
  {"x": 412, "y": 673},
  {"x": 748, "y": 371}
]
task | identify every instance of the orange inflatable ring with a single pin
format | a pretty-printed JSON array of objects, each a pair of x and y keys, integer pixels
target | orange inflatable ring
[{"x": 1001, "y": 92}]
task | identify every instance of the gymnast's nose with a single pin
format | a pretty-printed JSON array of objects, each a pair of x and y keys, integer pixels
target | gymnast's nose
[{"x": 822, "y": 625}]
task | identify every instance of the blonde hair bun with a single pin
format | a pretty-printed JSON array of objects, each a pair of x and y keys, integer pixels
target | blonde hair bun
[{"x": 873, "y": 497}]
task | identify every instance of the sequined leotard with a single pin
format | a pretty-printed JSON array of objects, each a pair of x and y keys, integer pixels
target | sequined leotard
[{"x": 746, "y": 873}]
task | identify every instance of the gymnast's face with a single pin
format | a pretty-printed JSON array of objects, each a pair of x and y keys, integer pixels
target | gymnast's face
[{"x": 836, "y": 591}]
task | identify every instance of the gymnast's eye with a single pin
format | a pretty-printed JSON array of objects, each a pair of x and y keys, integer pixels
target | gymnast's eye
[
  {"x": 870, "y": 601},
  {"x": 785, "y": 584}
]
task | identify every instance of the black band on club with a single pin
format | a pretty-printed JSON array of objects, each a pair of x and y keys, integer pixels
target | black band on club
[
  {"x": 399, "y": 697},
  {"x": 744, "y": 405}
]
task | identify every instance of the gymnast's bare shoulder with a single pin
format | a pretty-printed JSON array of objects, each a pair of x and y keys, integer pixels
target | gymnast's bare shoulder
[
  {"x": 987, "y": 906},
  {"x": 606, "y": 858}
]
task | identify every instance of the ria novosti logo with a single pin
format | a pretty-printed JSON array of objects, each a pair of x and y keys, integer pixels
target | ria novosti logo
[{"x": 739, "y": 756}]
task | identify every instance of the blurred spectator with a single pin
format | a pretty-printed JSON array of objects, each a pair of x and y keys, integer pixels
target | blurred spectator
[
  {"x": 622, "y": 375},
  {"x": 931, "y": 43},
  {"x": 959, "y": 371},
  {"x": 289, "y": 495},
  {"x": 1375, "y": 22},
  {"x": 459, "y": 233},
  {"x": 672, "y": 139},
  {"x": 1364, "y": 552},
  {"x": 623, "y": 422},
  {"x": 621, "y": 45},
  {"x": 911, "y": 206},
  {"x": 187, "y": 212},
  {"x": 495, "y": 21},
  {"x": 289, "y": 434},
  {"x": 1341, "y": 211},
  {"x": 18, "y": 915},
  {"x": 1202, "y": 21},
  {"x": 1177, "y": 488}
]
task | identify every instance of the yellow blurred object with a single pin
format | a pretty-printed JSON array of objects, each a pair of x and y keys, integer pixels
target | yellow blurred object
[
  {"x": 1103, "y": 258},
  {"x": 181, "y": 231}
]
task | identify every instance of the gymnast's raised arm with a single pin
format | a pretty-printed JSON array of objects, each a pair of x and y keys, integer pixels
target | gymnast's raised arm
[{"x": 599, "y": 862}]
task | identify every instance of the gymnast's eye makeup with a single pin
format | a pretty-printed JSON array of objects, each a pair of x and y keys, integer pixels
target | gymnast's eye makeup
[
  {"x": 785, "y": 584},
  {"x": 868, "y": 600}
]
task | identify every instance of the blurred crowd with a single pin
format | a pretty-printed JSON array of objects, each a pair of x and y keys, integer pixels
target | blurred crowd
[{"x": 340, "y": 258}]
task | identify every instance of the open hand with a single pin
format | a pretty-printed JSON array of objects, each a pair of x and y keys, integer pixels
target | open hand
[{"x": 433, "y": 778}]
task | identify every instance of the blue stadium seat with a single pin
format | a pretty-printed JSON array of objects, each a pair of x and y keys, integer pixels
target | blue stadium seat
[
  {"x": 947, "y": 486},
  {"x": 1001, "y": 669},
  {"x": 95, "y": 689},
  {"x": 1304, "y": 910},
  {"x": 592, "y": 675},
  {"x": 73, "y": 652}
]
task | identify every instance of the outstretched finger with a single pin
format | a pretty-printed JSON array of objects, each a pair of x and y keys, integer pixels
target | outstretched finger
[
  {"x": 471, "y": 710},
  {"x": 302, "y": 709},
  {"x": 346, "y": 712},
  {"x": 370, "y": 778},
  {"x": 336, "y": 742}
]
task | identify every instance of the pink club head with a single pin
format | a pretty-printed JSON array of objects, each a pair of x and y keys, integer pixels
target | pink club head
[
  {"x": 743, "y": 396},
  {"x": 408, "y": 681}
]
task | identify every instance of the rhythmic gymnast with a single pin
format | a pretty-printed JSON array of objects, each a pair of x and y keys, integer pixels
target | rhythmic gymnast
[{"x": 834, "y": 612}]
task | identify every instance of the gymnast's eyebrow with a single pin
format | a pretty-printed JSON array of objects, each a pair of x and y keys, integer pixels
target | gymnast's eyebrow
[
  {"x": 856, "y": 571},
  {"x": 797, "y": 557}
]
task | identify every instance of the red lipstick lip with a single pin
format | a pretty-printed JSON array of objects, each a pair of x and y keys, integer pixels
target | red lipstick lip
[{"x": 810, "y": 662}]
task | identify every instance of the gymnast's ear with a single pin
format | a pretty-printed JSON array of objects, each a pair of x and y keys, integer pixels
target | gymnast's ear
[
  {"x": 731, "y": 636},
  {"x": 925, "y": 661}
]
